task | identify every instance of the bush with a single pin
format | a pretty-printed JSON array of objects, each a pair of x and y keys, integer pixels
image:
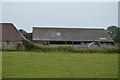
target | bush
[{"x": 31, "y": 46}]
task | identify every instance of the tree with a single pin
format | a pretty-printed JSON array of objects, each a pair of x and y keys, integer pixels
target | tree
[
  {"x": 114, "y": 32},
  {"x": 23, "y": 32}
]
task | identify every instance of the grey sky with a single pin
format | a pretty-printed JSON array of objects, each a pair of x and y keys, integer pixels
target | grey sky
[{"x": 26, "y": 15}]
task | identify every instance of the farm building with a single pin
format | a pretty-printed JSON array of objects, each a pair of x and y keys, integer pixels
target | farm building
[
  {"x": 83, "y": 37},
  {"x": 28, "y": 36},
  {"x": 11, "y": 38}
]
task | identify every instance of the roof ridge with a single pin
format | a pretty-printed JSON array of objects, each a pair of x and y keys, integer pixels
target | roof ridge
[
  {"x": 66, "y": 28},
  {"x": 6, "y": 23}
]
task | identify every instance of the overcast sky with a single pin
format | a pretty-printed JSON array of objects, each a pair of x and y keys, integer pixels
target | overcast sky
[{"x": 25, "y": 15}]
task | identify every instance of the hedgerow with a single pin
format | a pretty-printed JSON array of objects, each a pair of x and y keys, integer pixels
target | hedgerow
[{"x": 64, "y": 48}]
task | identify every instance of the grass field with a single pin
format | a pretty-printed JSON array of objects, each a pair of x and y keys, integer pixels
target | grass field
[{"x": 19, "y": 64}]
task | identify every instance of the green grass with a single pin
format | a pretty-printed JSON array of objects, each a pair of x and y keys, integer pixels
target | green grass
[{"x": 19, "y": 64}]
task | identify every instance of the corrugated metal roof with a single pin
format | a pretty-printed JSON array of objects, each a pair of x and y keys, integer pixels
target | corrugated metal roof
[
  {"x": 70, "y": 34},
  {"x": 9, "y": 32}
]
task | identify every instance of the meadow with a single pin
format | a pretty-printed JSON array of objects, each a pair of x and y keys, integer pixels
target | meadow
[{"x": 35, "y": 64}]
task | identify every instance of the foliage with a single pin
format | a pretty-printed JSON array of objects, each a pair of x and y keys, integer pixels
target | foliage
[
  {"x": 42, "y": 48},
  {"x": 114, "y": 32},
  {"x": 23, "y": 32},
  {"x": 29, "y": 45}
]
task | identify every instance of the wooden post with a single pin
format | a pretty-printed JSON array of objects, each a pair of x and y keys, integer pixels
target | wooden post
[
  {"x": 65, "y": 42},
  {"x": 72, "y": 42},
  {"x": 48, "y": 42}
]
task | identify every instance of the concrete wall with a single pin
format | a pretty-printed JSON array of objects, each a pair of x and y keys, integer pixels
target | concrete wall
[{"x": 12, "y": 46}]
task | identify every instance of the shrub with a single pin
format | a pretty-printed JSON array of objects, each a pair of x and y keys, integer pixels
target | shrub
[{"x": 31, "y": 46}]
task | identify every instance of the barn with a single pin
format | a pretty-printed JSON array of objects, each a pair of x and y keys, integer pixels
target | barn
[
  {"x": 10, "y": 37},
  {"x": 84, "y": 37}
]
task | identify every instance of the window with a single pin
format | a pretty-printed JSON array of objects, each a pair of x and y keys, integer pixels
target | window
[
  {"x": 58, "y": 34},
  {"x": 102, "y": 38}
]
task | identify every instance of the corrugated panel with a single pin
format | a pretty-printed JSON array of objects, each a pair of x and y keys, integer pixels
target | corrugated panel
[
  {"x": 10, "y": 33},
  {"x": 70, "y": 34}
]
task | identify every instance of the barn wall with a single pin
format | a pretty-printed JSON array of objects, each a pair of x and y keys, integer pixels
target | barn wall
[{"x": 12, "y": 46}]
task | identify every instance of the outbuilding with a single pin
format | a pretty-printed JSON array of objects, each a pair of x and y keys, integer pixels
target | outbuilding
[
  {"x": 83, "y": 37},
  {"x": 10, "y": 37}
]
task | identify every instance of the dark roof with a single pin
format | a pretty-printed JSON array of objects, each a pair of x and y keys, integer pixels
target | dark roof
[
  {"x": 28, "y": 36},
  {"x": 9, "y": 32},
  {"x": 70, "y": 34}
]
